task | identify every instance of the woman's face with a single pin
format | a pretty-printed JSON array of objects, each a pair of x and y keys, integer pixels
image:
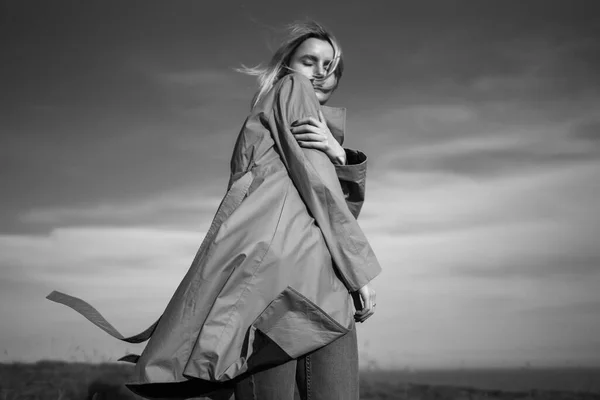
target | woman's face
[{"x": 312, "y": 59}]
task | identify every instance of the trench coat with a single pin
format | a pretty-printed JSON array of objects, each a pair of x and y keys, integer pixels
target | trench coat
[{"x": 273, "y": 278}]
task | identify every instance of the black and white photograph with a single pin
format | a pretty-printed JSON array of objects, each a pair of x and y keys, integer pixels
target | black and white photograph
[{"x": 300, "y": 200}]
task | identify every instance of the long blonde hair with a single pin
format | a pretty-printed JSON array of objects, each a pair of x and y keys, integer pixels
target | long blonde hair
[{"x": 278, "y": 67}]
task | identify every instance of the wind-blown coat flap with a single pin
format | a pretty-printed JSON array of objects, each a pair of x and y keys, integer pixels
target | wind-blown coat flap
[{"x": 316, "y": 180}]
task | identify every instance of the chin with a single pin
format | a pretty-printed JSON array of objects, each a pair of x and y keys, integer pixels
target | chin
[{"x": 322, "y": 98}]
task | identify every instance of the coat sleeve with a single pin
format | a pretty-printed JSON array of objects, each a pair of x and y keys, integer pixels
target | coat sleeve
[
  {"x": 352, "y": 177},
  {"x": 315, "y": 177}
]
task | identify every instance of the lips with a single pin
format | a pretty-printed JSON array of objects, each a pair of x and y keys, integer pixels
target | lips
[{"x": 321, "y": 89}]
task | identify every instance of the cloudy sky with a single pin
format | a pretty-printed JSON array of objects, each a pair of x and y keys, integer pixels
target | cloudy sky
[{"x": 480, "y": 120}]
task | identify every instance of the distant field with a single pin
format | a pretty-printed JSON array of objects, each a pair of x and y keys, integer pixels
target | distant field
[
  {"x": 48, "y": 380},
  {"x": 525, "y": 379}
]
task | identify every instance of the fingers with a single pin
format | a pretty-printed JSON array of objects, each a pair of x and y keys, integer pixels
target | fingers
[
  {"x": 368, "y": 298},
  {"x": 307, "y": 129},
  {"x": 362, "y": 315},
  {"x": 310, "y": 137},
  {"x": 311, "y": 133}
]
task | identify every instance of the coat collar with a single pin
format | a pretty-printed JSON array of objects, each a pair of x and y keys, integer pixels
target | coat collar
[{"x": 336, "y": 121}]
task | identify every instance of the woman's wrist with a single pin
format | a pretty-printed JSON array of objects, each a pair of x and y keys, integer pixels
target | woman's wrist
[{"x": 340, "y": 157}]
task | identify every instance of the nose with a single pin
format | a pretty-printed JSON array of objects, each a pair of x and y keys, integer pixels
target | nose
[{"x": 319, "y": 71}]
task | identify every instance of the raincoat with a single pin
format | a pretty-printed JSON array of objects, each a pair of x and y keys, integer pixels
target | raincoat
[{"x": 272, "y": 279}]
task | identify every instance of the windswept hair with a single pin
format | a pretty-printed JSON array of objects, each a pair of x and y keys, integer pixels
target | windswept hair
[{"x": 278, "y": 67}]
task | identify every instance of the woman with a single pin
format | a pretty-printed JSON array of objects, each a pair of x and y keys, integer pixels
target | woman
[{"x": 268, "y": 297}]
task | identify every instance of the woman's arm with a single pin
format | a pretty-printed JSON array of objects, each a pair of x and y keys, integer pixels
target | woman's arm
[
  {"x": 313, "y": 133},
  {"x": 350, "y": 165},
  {"x": 316, "y": 179}
]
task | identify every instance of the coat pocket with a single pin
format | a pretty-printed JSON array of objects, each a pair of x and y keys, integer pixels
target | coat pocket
[{"x": 297, "y": 325}]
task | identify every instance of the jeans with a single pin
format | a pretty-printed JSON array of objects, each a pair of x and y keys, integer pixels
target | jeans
[{"x": 330, "y": 373}]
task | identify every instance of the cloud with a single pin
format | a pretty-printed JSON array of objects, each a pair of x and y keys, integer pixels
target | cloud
[
  {"x": 500, "y": 157},
  {"x": 572, "y": 309},
  {"x": 186, "y": 209},
  {"x": 128, "y": 274},
  {"x": 469, "y": 254},
  {"x": 78, "y": 252},
  {"x": 538, "y": 218},
  {"x": 479, "y": 141},
  {"x": 588, "y": 132},
  {"x": 531, "y": 266}
]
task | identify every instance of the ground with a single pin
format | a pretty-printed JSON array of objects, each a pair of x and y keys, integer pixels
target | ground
[{"x": 48, "y": 380}]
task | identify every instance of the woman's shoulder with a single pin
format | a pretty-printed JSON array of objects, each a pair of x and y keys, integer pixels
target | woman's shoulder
[
  {"x": 293, "y": 82},
  {"x": 293, "y": 87}
]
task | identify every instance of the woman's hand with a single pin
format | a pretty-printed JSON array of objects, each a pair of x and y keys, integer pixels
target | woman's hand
[
  {"x": 311, "y": 133},
  {"x": 364, "y": 302}
]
